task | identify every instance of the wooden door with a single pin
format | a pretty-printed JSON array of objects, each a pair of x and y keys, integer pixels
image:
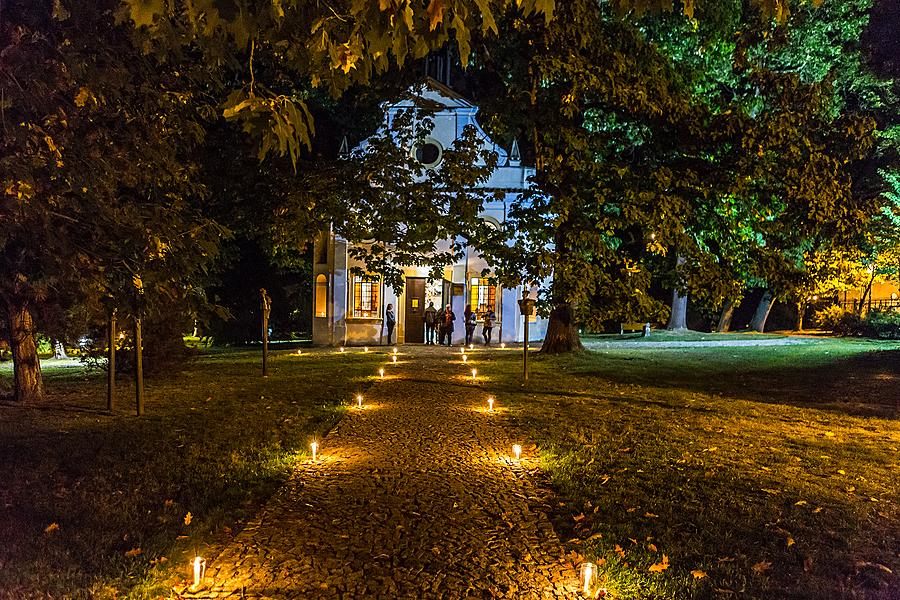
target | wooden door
[{"x": 414, "y": 327}]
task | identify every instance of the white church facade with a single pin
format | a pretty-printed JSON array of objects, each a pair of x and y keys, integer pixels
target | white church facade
[{"x": 349, "y": 310}]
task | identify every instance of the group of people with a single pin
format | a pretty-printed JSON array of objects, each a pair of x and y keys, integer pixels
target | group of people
[{"x": 441, "y": 322}]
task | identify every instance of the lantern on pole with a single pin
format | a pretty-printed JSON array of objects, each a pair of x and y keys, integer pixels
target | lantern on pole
[{"x": 526, "y": 307}]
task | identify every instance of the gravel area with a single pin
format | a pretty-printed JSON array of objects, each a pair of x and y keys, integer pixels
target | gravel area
[{"x": 415, "y": 495}]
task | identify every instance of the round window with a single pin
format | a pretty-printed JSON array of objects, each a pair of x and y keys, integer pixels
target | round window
[{"x": 429, "y": 154}]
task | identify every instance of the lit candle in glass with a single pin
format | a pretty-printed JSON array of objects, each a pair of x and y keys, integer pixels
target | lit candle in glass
[
  {"x": 503, "y": 345},
  {"x": 394, "y": 358},
  {"x": 359, "y": 401},
  {"x": 199, "y": 570},
  {"x": 365, "y": 348},
  {"x": 471, "y": 346},
  {"x": 395, "y": 351},
  {"x": 465, "y": 358},
  {"x": 474, "y": 374},
  {"x": 314, "y": 446},
  {"x": 342, "y": 348},
  {"x": 588, "y": 577},
  {"x": 381, "y": 372},
  {"x": 491, "y": 403},
  {"x": 299, "y": 352},
  {"x": 462, "y": 350},
  {"x": 517, "y": 451}
]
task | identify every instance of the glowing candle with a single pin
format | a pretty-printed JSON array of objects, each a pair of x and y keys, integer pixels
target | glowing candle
[
  {"x": 491, "y": 403},
  {"x": 517, "y": 451},
  {"x": 471, "y": 346},
  {"x": 314, "y": 446},
  {"x": 465, "y": 358},
  {"x": 359, "y": 401},
  {"x": 395, "y": 351},
  {"x": 588, "y": 575},
  {"x": 199, "y": 570},
  {"x": 462, "y": 350},
  {"x": 342, "y": 348},
  {"x": 474, "y": 374},
  {"x": 381, "y": 372},
  {"x": 503, "y": 345},
  {"x": 394, "y": 358},
  {"x": 299, "y": 352},
  {"x": 365, "y": 348}
]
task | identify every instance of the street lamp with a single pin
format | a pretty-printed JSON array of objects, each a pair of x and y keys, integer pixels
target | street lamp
[{"x": 526, "y": 307}]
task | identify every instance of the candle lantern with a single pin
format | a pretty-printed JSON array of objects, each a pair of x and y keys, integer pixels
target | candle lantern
[
  {"x": 587, "y": 578},
  {"x": 199, "y": 565},
  {"x": 465, "y": 358},
  {"x": 365, "y": 348},
  {"x": 517, "y": 451},
  {"x": 395, "y": 351},
  {"x": 381, "y": 372},
  {"x": 503, "y": 345},
  {"x": 474, "y": 374},
  {"x": 394, "y": 358},
  {"x": 299, "y": 352},
  {"x": 462, "y": 350},
  {"x": 314, "y": 447},
  {"x": 471, "y": 346},
  {"x": 491, "y": 404},
  {"x": 359, "y": 401},
  {"x": 342, "y": 348}
]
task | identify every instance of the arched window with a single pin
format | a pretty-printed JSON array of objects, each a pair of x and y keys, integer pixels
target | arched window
[{"x": 321, "y": 296}]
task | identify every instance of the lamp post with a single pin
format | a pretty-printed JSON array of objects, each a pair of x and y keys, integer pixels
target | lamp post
[
  {"x": 526, "y": 307},
  {"x": 266, "y": 306}
]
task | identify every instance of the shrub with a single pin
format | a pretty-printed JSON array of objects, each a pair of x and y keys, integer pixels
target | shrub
[
  {"x": 883, "y": 324},
  {"x": 876, "y": 324},
  {"x": 830, "y": 318}
]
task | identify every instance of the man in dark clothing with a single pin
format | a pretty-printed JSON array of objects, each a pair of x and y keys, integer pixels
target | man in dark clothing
[
  {"x": 430, "y": 322},
  {"x": 390, "y": 319},
  {"x": 449, "y": 317}
]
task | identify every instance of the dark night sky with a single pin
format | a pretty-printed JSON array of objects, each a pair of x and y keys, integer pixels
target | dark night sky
[{"x": 883, "y": 36}]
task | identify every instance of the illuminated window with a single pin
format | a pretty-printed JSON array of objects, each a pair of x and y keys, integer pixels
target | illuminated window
[
  {"x": 482, "y": 295},
  {"x": 365, "y": 296},
  {"x": 321, "y": 296}
]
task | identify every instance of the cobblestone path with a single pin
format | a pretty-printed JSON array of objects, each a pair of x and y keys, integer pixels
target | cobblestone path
[{"x": 413, "y": 496}]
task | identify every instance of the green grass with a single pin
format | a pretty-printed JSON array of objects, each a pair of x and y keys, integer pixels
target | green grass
[
  {"x": 662, "y": 335},
  {"x": 216, "y": 441},
  {"x": 771, "y": 470}
]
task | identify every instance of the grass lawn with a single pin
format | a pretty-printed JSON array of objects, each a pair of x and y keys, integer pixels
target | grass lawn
[
  {"x": 662, "y": 335},
  {"x": 97, "y": 506},
  {"x": 767, "y": 472}
]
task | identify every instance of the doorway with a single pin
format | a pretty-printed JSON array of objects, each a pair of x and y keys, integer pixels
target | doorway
[{"x": 414, "y": 330}]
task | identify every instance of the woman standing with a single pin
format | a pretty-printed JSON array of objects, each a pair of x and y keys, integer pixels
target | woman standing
[
  {"x": 470, "y": 319},
  {"x": 487, "y": 328},
  {"x": 390, "y": 320}
]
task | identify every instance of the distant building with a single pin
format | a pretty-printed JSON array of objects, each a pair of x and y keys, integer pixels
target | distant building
[{"x": 349, "y": 310}]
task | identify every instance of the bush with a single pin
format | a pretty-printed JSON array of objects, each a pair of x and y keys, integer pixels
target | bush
[{"x": 876, "y": 324}]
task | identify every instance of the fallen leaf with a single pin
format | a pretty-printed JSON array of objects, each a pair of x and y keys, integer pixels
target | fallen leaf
[
  {"x": 134, "y": 552},
  {"x": 829, "y": 434},
  {"x": 188, "y": 518},
  {"x": 169, "y": 503},
  {"x": 842, "y": 472},
  {"x": 790, "y": 541},
  {"x": 579, "y": 518},
  {"x": 698, "y": 574},
  {"x": 652, "y": 547},
  {"x": 650, "y": 515},
  {"x": 818, "y": 509},
  {"x": 799, "y": 502},
  {"x": 619, "y": 551},
  {"x": 51, "y": 528},
  {"x": 761, "y": 567},
  {"x": 660, "y": 566}
]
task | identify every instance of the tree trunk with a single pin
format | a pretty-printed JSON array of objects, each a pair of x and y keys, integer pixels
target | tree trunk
[
  {"x": 726, "y": 316},
  {"x": 111, "y": 363},
  {"x": 801, "y": 308},
  {"x": 758, "y": 323},
  {"x": 678, "y": 318},
  {"x": 27, "y": 381},
  {"x": 562, "y": 335},
  {"x": 138, "y": 369}
]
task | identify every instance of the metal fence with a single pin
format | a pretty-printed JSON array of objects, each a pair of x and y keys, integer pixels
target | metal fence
[{"x": 885, "y": 304}]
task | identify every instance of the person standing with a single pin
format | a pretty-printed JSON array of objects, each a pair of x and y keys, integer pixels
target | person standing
[
  {"x": 471, "y": 320},
  {"x": 430, "y": 322},
  {"x": 487, "y": 327},
  {"x": 441, "y": 328},
  {"x": 390, "y": 320},
  {"x": 449, "y": 317}
]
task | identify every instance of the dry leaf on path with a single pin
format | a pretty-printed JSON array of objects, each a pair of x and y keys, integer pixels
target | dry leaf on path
[
  {"x": 660, "y": 566},
  {"x": 698, "y": 574},
  {"x": 762, "y": 566},
  {"x": 188, "y": 518},
  {"x": 134, "y": 552},
  {"x": 51, "y": 528}
]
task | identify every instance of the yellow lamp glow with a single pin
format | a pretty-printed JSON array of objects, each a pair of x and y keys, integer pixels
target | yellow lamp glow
[
  {"x": 491, "y": 403},
  {"x": 474, "y": 374},
  {"x": 471, "y": 346},
  {"x": 503, "y": 345},
  {"x": 517, "y": 451},
  {"x": 394, "y": 358},
  {"x": 314, "y": 446},
  {"x": 365, "y": 348},
  {"x": 299, "y": 352},
  {"x": 462, "y": 350},
  {"x": 342, "y": 348},
  {"x": 359, "y": 401},
  {"x": 199, "y": 565},
  {"x": 465, "y": 358},
  {"x": 587, "y": 575},
  {"x": 395, "y": 351},
  {"x": 381, "y": 372}
]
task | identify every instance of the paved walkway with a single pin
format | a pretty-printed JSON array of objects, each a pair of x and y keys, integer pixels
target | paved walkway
[{"x": 413, "y": 496}]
